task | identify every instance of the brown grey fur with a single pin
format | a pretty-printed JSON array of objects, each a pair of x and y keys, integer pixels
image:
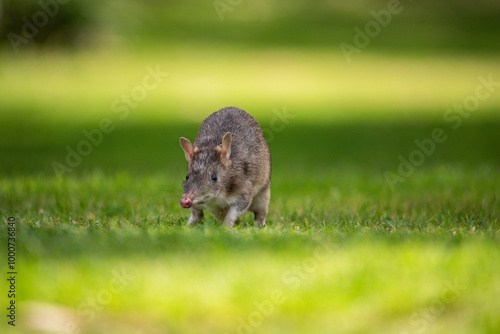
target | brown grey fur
[{"x": 243, "y": 179}]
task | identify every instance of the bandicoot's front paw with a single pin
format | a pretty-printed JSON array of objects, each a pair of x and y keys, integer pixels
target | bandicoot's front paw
[
  {"x": 229, "y": 224},
  {"x": 192, "y": 221}
]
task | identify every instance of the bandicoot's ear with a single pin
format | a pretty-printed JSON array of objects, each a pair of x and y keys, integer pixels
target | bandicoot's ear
[
  {"x": 188, "y": 148},
  {"x": 226, "y": 146}
]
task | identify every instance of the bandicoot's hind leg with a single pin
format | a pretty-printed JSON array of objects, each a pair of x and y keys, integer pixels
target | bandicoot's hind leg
[{"x": 260, "y": 206}]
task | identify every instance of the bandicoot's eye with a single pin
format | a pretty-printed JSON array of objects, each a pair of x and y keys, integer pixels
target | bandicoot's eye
[
  {"x": 187, "y": 177},
  {"x": 213, "y": 177}
]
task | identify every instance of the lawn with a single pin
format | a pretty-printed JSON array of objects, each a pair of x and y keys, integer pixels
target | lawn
[{"x": 102, "y": 244}]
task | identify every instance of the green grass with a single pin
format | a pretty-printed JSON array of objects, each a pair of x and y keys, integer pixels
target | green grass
[
  {"x": 424, "y": 27},
  {"x": 342, "y": 252}
]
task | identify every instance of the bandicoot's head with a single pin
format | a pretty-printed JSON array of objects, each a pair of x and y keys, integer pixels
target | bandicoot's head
[{"x": 208, "y": 176}]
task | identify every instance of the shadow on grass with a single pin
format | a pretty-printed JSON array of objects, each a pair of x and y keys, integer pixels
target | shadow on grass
[{"x": 29, "y": 149}]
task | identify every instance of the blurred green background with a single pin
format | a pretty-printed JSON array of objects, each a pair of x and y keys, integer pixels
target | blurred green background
[{"x": 102, "y": 242}]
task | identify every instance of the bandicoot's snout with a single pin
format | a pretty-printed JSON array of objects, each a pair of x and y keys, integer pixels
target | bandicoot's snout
[{"x": 186, "y": 203}]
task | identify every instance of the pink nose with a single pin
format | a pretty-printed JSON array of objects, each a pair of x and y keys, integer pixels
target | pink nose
[{"x": 186, "y": 203}]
